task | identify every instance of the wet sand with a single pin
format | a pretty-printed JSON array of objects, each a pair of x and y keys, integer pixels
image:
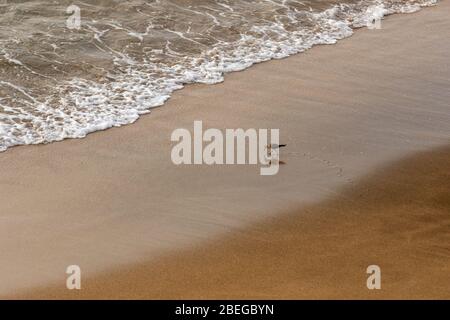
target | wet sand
[
  {"x": 397, "y": 218},
  {"x": 114, "y": 200}
]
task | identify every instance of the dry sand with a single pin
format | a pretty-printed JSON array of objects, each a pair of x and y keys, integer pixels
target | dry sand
[{"x": 115, "y": 201}]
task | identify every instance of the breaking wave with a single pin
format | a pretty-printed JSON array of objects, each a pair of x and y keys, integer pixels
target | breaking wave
[{"x": 129, "y": 56}]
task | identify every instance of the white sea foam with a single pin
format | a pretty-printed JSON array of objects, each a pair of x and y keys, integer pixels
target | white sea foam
[{"x": 80, "y": 105}]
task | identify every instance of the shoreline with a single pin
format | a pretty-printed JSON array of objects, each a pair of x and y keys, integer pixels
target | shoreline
[
  {"x": 181, "y": 85},
  {"x": 114, "y": 198}
]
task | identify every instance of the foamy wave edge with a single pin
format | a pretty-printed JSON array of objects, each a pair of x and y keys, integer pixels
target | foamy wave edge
[{"x": 94, "y": 106}]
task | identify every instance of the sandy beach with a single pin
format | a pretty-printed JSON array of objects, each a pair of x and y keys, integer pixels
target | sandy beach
[
  {"x": 365, "y": 181},
  {"x": 397, "y": 218}
]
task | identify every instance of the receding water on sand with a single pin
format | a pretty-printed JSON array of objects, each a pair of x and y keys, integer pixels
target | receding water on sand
[{"x": 128, "y": 57}]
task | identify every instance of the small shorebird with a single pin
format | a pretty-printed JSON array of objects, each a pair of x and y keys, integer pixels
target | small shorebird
[{"x": 274, "y": 146}]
